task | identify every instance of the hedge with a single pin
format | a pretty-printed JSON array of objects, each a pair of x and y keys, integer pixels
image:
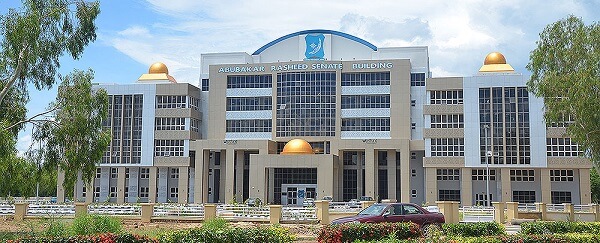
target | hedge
[
  {"x": 358, "y": 231},
  {"x": 259, "y": 234},
  {"x": 100, "y": 238},
  {"x": 549, "y": 227},
  {"x": 474, "y": 229},
  {"x": 547, "y": 238}
]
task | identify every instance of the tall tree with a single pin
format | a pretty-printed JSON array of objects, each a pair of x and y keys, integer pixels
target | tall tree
[
  {"x": 565, "y": 70},
  {"x": 75, "y": 139}
]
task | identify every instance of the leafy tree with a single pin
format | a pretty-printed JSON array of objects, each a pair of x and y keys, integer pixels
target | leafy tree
[
  {"x": 75, "y": 139},
  {"x": 595, "y": 185},
  {"x": 565, "y": 70}
]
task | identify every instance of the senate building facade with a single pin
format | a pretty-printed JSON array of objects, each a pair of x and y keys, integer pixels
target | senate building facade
[{"x": 321, "y": 113}]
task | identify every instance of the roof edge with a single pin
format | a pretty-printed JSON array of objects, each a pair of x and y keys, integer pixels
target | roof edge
[{"x": 315, "y": 31}]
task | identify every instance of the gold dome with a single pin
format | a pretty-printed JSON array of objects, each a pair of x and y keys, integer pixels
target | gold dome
[
  {"x": 496, "y": 63},
  {"x": 297, "y": 146},
  {"x": 158, "y": 67}
]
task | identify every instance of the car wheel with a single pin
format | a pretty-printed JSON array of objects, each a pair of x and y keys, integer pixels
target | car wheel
[{"x": 431, "y": 230}]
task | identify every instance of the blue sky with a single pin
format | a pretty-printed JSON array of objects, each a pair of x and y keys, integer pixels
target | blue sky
[{"x": 132, "y": 34}]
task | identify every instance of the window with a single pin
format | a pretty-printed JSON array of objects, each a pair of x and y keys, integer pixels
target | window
[
  {"x": 253, "y": 125},
  {"x": 98, "y": 173},
  {"x": 174, "y": 173},
  {"x": 446, "y": 97},
  {"x": 449, "y": 195},
  {"x": 83, "y": 192},
  {"x": 174, "y": 192},
  {"x": 413, "y": 155},
  {"x": 522, "y": 175},
  {"x": 169, "y": 123},
  {"x": 125, "y": 121},
  {"x": 171, "y": 101},
  {"x": 562, "y": 147},
  {"x": 249, "y": 81},
  {"x": 97, "y": 192},
  {"x": 144, "y": 191},
  {"x": 349, "y": 185},
  {"x": 126, "y": 173},
  {"x": 366, "y": 124},
  {"x": 480, "y": 175},
  {"x": 447, "y": 121},
  {"x": 366, "y": 79},
  {"x": 447, "y": 147},
  {"x": 413, "y": 103},
  {"x": 144, "y": 173},
  {"x": 413, "y": 193},
  {"x": 194, "y": 125},
  {"x": 448, "y": 174},
  {"x": 261, "y": 103},
  {"x": 114, "y": 173},
  {"x": 417, "y": 79},
  {"x": 365, "y": 101},
  {"x": 559, "y": 197},
  {"x": 410, "y": 209},
  {"x": 481, "y": 199},
  {"x": 194, "y": 103},
  {"x": 413, "y": 126},
  {"x": 168, "y": 148},
  {"x": 524, "y": 196},
  {"x": 113, "y": 192},
  {"x": 204, "y": 84},
  {"x": 561, "y": 175},
  {"x": 413, "y": 173}
]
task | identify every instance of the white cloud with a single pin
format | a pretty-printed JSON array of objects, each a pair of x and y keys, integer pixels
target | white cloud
[{"x": 23, "y": 144}]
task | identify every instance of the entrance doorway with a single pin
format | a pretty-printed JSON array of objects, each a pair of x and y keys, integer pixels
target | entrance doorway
[{"x": 294, "y": 194}]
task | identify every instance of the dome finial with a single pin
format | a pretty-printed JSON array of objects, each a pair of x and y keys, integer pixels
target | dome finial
[
  {"x": 297, "y": 146},
  {"x": 158, "y": 67},
  {"x": 496, "y": 62}
]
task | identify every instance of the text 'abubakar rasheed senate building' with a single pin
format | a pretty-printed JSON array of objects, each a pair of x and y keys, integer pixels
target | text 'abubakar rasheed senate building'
[{"x": 323, "y": 113}]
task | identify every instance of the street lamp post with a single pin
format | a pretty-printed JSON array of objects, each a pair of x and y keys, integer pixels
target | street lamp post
[{"x": 487, "y": 167}]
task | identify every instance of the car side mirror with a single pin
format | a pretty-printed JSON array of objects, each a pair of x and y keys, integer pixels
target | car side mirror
[{"x": 386, "y": 214}]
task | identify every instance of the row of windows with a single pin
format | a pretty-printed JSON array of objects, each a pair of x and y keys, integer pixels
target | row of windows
[
  {"x": 249, "y": 103},
  {"x": 249, "y": 81},
  {"x": 449, "y": 195},
  {"x": 447, "y": 121},
  {"x": 171, "y": 101},
  {"x": 366, "y": 79},
  {"x": 481, "y": 175},
  {"x": 168, "y": 148},
  {"x": 448, "y": 174},
  {"x": 524, "y": 196},
  {"x": 169, "y": 123},
  {"x": 254, "y": 125},
  {"x": 446, "y": 97},
  {"x": 417, "y": 79},
  {"x": 447, "y": 147},
  {"x": 522, "y": 175},
  {"x": 366, "y": 124},
  {"x": 194, "y": 125},
  {"x": 125, "y": 121},
  {"x": 365, "y": 101},
  {"x": 562, "y": 147},
  {"x": 561, "y": 175}
]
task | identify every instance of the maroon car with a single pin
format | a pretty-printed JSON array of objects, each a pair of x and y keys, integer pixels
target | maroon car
[{"x": 395, "y": 212}]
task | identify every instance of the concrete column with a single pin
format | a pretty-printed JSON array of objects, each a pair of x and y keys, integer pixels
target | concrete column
[
  {"x": 449, "y": 210},
  {"x": 20, "y": 211},
  {"x": 257, "y": 182},
  {"x": 545, "y": 185},
  {"x": 542, "y": 209},
  {"x": 391, "y": 174},
  {"x": 81, "y": 209},
  {"x": 512, "y": 210},
  {"x": 210, "y": 211},
  {"x": 506, "y": 185},
  {"x": 371, "y": 171},
  {"x": 182, "y": 184},
  {"x": 152, "y": 185},
  {"x": 569, "y": 209},
  {"x": 431, "y": 192},
  {"x": 359, "y": 175},
  {"x": 229, "y": 174},
  {"x": 60, "y": 190},
  {"x": 584, "y": 186},
  {"x": 466, "y": 187},
  {"x": 239, "y": 176},
  {"x": 120, "y": 185},
  {"x": 274, "y": 214},
  {"x": 147, "y": 212},
  {"x": 405, "y": 172},
  {"x": 499, "y": 212},
  {"x": 322, "y": 212},
  {"x": 201, "y": 176},
  {"x": 324, "y": 180}
]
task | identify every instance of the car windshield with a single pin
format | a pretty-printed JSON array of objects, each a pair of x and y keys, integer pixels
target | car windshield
[{"x": 374, "y": 209}]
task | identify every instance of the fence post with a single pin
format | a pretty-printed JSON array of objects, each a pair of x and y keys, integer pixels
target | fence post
[
  {"x": 20, "y": 211},
  {"x": 596, "y": 210},
  {"x": 81, "y": 209},
  {"x": 569, "y": 209},
  {"x": 210, "y": 211},
  {"x": 322, "y": 211},
  {"x": 366, "y": 204},
  {"x": 498, "y": 212},
  {"x": 542, "y": 209},
  {"x": 512, "y": 211},
  {"x": 449, "y": 210},
  {"x": 147, "y": 212},
  {"x": 389, "y": 200},
  {"x": 274, "y": 214}
]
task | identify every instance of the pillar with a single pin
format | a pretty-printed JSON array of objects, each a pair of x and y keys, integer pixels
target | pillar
[
  {"x": 20, "y": 211},
  {"x": 498, "y": 212},
  {"x": 322, "y": 211},
  {"x": 391, "y": 174},
  {"x": 210, "y": 211},
  {"x": 201, "y": 176},
  {"x": 274, "y": 213},
  {"x": 596, "y": 210},
  {"x": 147, "y": 212},
  {"x": 430, "y": 186},
  {"x": 466, "y": 187},
  {"x": 512, "y": 210},
  {"x": 183, "y": 185},
  {"x": 506, "y": 185},
  {"x": 405, "y": 172},
  {"x": 60, "y": 190},
  {"x": 152, "y": 185},
  {"x": 545, "y": 185},
  {"x": 120, "y": 185},
  {"x": 571, "y": 211},
  {"x": 584, "y": 186},
  {"x": 81, "y": 209},
  {"x": 371, "y": 171},
  {"x": 258, "y": 181},
  {"x": 542, "y": 209},
  {"x": 366, "y": 204},
  {"x": 324, "y": 180},
  {"x": 239, "y": 176},
  {"x": 449, "y": 210}
]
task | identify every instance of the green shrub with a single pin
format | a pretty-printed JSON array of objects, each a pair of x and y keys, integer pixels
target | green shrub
[
  {"x": 474, "y": 229},
  {"x": 225, "y": 234},
  {"x": 358, "y": 231},
  {"x": 56, "y": 228},
  {"x": 548, "y": 227},
  {"x": 215, "y": 224},
  {"x": 94, "y": 224},
  {"x": 107, "y": 237}
]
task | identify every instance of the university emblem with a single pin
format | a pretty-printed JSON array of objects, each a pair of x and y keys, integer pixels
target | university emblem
[{"x": 314, "y": 47}]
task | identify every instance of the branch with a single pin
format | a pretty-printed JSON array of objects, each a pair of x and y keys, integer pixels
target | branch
[
  {"x": 14, "y": 77},
  {"x": 31, "y": 118}
]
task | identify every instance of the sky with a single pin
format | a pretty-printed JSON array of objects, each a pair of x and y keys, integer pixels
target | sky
[{"x": 133, "y": 34}]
